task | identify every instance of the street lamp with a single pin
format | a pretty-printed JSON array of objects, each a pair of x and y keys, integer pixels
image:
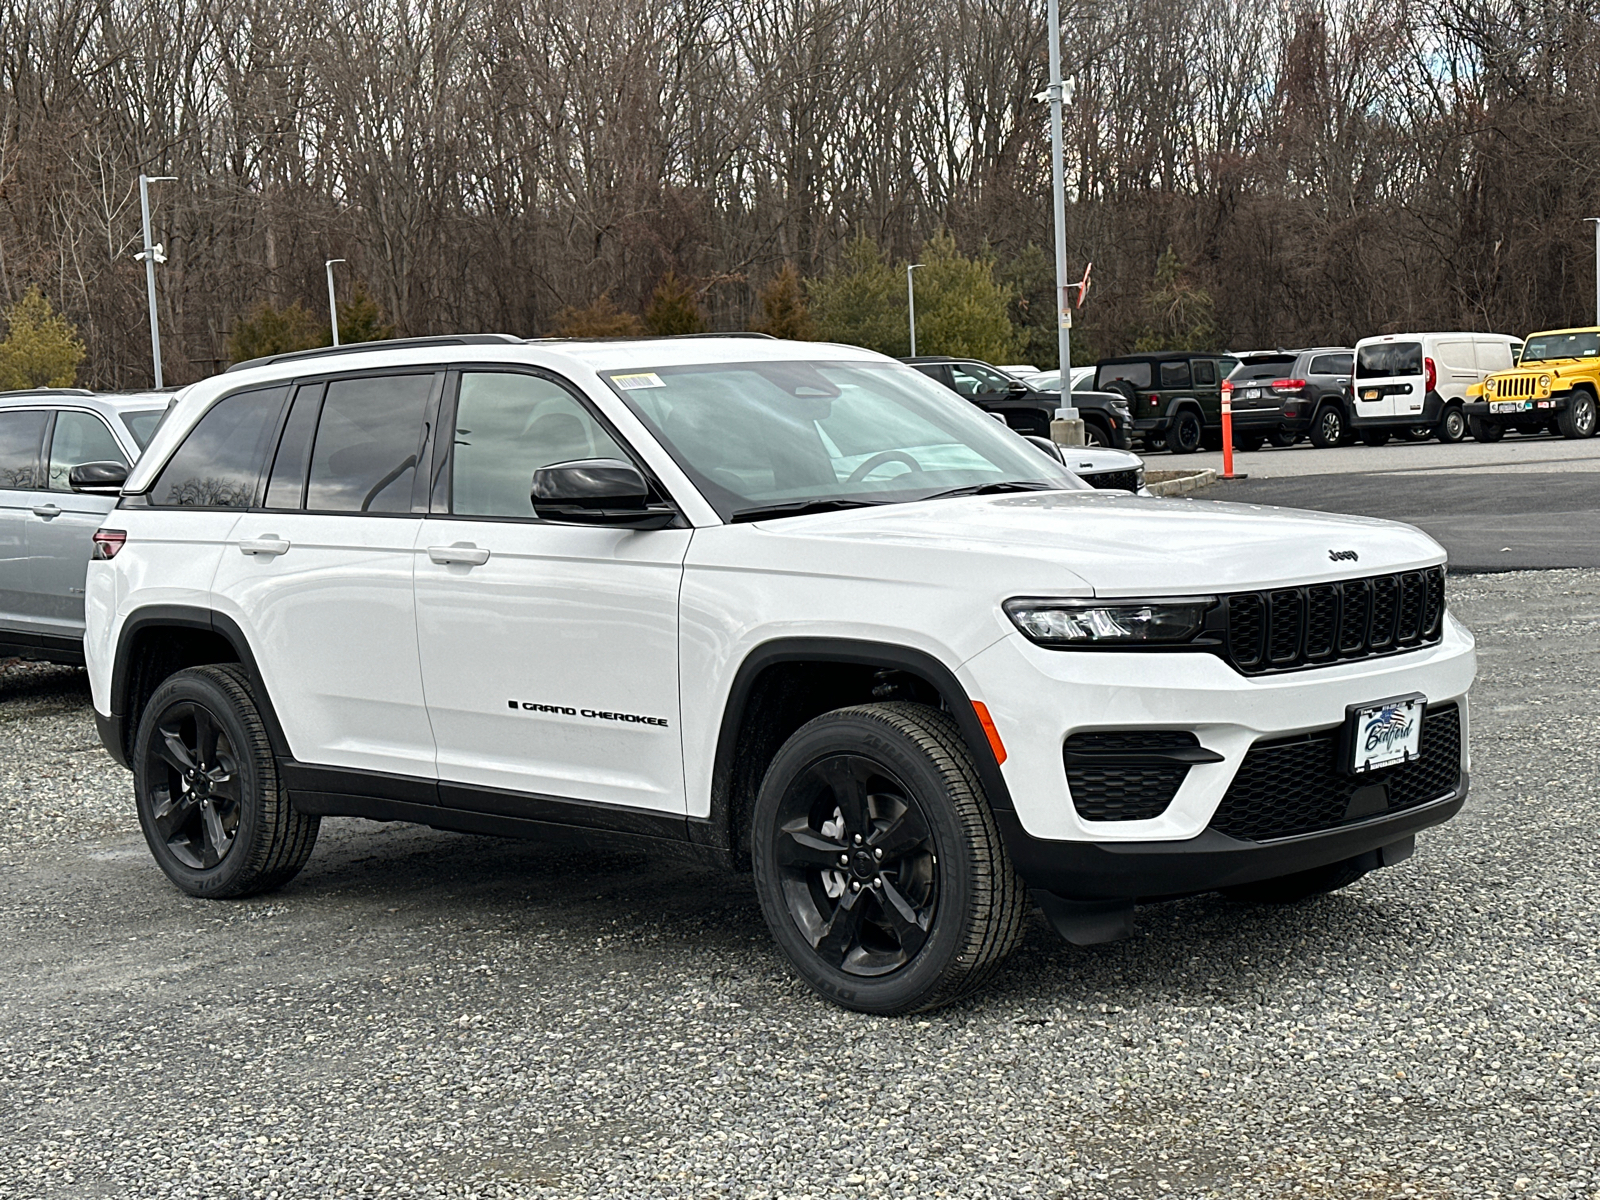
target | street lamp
[
  {"x": 1595, "y": 221},
  {"x": 333, "y": 307},
  {"x": 1058, "y": 187},
  {"x": 150, "y": 256},
  {"x": 911, "y": 306}
]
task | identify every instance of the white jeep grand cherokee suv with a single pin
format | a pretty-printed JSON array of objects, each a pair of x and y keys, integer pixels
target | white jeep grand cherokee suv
[{"x": 793, "y": 607}]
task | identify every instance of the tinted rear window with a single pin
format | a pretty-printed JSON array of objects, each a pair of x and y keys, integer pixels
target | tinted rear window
[
  {"x": 1136, "y": 373},
  {"x": 1263, "y": 366},
  {"x": 1331, "y": 364},
  {"x": 20, "y": 435},
  {"x": 219, "y": 463},
  {"x": 1383, "y": 359},
  {"x": 365, "y": 455}
]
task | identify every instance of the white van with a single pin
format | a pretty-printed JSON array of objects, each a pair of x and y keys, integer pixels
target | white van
[{"x": 1416, "y": 383}]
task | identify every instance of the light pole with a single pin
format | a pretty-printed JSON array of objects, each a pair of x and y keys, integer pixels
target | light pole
[
  {"x": 333, "y": 307},
  {"x": 151, "y": 255},
  {"x": 1595, "y": 221},
  {"x": 911, "y": 306},
  {"x": 1058, "y": 187}
]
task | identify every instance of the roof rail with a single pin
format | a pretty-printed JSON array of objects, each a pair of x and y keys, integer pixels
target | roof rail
[
  {"x": 417, "y": 343},
  {"x": 654, "y": 337},
  {"x": 46, "y": 391}
]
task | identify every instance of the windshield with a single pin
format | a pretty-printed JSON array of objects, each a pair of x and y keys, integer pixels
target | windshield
[
  {"x": 1383, "y": 359},
  {"x": 142, "y": 423},
  {"x": 1543, "y": 347},
  {"x": 752, "y": 435}
]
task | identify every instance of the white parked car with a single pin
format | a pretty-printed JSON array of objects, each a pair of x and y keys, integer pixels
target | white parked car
[
  {"x": 794, "y": 607},
  {"x": 1416, "y": 383}
]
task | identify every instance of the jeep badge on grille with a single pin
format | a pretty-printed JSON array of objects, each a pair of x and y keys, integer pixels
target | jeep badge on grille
[{"x": 1342, "y": 555}]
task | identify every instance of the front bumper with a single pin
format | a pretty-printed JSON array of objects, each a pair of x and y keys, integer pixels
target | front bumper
[
  {"x": 1138, "y": 871},
  {"x": 1540, "y": 409}
]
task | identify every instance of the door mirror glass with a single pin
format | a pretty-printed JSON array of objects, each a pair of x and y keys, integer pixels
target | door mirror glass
[
  {"x": 99, "y": 478},
  {"x": 596, "y": 491}
]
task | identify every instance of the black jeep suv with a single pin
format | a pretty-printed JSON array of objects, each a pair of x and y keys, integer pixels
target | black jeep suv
[
  {"x": 1175, "y": 396},
  {"x": 1106, "y": 417}
]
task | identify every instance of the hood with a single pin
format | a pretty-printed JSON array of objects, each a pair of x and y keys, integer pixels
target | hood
[{"x": 1117, "y": 544}]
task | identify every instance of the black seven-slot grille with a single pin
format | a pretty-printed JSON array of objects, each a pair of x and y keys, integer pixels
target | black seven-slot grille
[
  {"x": 1126, "y": 481},
  {"x": 1294, "y": 785},
  {"x": 1289, "y": 628},
  {"x": 1129, "y": 775}
]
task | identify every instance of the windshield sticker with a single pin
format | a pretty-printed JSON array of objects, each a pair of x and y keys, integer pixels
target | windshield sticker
[{"x": 632, "y": 383}]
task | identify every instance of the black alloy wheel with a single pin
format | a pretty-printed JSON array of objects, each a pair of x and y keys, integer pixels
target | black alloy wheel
[
  {"x": 1453, "y": 425},
  {"x": 1577, "y": 420},
  {"x": 1327, "y": 427},
  {"x": 217, "y": 820},
  {"x": 877, "y": 861},
  {"x": 1185, "y": 433},
  {"x": 1484, "y": 430},
  {"x": 1094, "y": 434}
]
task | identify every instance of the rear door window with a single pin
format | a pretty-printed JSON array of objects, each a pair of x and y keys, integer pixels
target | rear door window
[
  {"x": 1331, "y": 364},
  {"x": 219, "y": 464},
  {"x": 1175, "y": 375},
  {"x": 21, "y": 431},
  {"x": 1136, "y": 373},
  {"x": 79, "y": 438},
  {"x": 1382, "y": 360},
  {"x": 364, "y": 458},
  {"x": 1205, "y": 372}
]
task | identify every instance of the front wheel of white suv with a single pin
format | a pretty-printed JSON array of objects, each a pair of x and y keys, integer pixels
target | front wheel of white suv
[
  {"x": 214, "y": 813},
  {"x": 878, "y": 863}
]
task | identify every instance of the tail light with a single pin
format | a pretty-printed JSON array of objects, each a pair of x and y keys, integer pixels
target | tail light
[
  {"x": 1288, "y": 385},
  {"x": 106, "y": 544},
  {"x": 1430, "y": 375}
]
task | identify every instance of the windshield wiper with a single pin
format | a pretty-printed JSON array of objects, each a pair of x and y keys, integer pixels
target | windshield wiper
[
  {"x": 990, "y": 489},
  {"x": 798, "y": 508}
]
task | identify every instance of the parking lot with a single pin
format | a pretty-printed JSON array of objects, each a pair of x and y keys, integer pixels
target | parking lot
[{"x": 429, "y": 1014}]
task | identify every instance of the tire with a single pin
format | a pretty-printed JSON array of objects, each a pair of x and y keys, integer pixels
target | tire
[
  {"x": 1485, "y": 431},
  {"x": 1185, "y": 433},
  {"x": 231, "y": 830},
  {"x": 1327, "y": 427},
  {"x": 1289, "y": 889},
  {"x": 1452, "y": 426},
  {"x": 1375, "y": 437},
  {"x": 1282, "y": 438},
  {"x": 1577, "y": 420},
  {"x": 1095, "y": 434},
  {"x": 929, "y": 929},
  {"x": 1249, "y": 441}
]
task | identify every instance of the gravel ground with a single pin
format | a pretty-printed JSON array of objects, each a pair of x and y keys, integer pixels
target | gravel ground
[{"x": 427, "y": 1014}]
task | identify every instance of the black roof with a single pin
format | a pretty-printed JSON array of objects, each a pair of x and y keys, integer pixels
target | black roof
[{"x": 1165, "y": 356}]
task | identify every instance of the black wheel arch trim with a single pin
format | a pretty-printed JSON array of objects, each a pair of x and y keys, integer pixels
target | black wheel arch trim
[
  {"x": 113, "y": 730},
  {"x": 856, "y": 652}
]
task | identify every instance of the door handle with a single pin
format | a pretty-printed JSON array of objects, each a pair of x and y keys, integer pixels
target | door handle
[
  {"x": 462, "y": 554},
  {"x": 47, "y": 510},
  {"x": 268, "y": 545}
]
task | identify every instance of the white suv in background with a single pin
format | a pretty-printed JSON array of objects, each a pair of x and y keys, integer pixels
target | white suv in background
[
  {"x": 1416, "y": 383},
  {"x": 792, "y": 606}
]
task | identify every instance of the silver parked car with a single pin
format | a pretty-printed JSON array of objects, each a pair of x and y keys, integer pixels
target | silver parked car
[{"x": 46, "y": 527}]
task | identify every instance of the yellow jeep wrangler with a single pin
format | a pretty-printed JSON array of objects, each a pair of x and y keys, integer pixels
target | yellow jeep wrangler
[{"x": 1555, "y": 385}]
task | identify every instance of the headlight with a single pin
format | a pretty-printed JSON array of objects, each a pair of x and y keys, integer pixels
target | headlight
[
  {"x": 1544, "y": 381},
  {"x": 1488, "y": 387},
  {"x": 1064, "y": 623}
]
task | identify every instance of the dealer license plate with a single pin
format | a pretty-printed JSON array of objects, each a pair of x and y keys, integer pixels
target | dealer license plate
[
  {"x": 1510, "y": 406},
  {"x": 1386, "y": 734}
]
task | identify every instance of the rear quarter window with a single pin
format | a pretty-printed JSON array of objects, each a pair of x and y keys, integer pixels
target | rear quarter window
[
  {"x": 1136, "y": 373},
  {"x": 1384, "y": 359},
  {"x": 1331, "y": 364},
  {"x": 219, "y": 464}
]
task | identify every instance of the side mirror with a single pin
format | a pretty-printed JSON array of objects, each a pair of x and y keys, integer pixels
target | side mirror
[
  {"x": 1017, "y": 388},
  {"x": 1049, "y": 447},
  {"x": 597, "y": 491},
  {"x": 98, "y": 478}
]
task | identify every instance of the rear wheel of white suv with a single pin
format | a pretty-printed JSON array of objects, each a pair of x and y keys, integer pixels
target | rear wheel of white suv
[
  {"x": 878, "y": 863},
  {"x": 214, "y": 813}
]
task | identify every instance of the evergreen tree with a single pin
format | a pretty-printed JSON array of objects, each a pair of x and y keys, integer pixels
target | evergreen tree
[
  {"x": 961, "y": 309},
  {"x": 270, "y": 330},
  {"x": 674, "y": 309},
  {"x": 41, "y": 348},
  {"x": 862, "y": 301},
  {"x": 1181, "y": 316},
  {"x": 600, "y": 319},
  {"x": 361, "y": 318},
  {"x": 783, "y": 307}
]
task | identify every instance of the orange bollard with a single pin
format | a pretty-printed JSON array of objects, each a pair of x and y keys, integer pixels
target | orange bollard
[{"x": 1227, "y": 429}]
